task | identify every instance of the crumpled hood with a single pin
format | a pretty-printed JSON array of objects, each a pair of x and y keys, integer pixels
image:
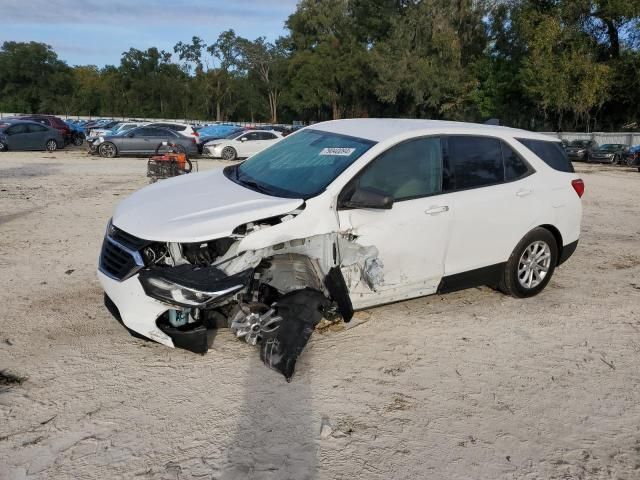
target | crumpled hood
[{"x": 195, "y": 208}]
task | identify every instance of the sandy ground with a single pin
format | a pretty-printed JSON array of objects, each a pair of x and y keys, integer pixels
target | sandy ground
[{"x": 468, "y": 385}]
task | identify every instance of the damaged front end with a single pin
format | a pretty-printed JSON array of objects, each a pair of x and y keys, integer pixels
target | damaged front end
[{"x": 271, "y": 297}]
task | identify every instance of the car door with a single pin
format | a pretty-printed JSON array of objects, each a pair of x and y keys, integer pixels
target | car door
[
  {"x": 411, "y": 238},
  {"x": 137, "y": 141},
  {"x": 154, "y": 137},
  {"x": 18, "y": 137},
  {"x": 267, "y": 139},
  {"x": 249, "y": 146},
  {"x": 494, "y": 200},
  {"x": 38, "y": 135}
]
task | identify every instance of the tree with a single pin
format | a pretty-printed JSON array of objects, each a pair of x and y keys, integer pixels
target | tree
[
  {"x": 268, "y": 61},
  {"x": 32, "y": 78},
  {"x": 425, "y": 61},
  {"x": 560, "y": 72},
  {"x": 323, "y": 39}
]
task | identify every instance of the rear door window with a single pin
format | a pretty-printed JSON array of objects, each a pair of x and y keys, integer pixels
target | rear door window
[
  {"x": 474, "y": 162},
  {"x": 151, "y": 132},
  {"x": 550, "y": 153},
  {"x": 515, "y": 167},
  {"x": 172, "y": 126},
  {"x": 33, "y": 128}
]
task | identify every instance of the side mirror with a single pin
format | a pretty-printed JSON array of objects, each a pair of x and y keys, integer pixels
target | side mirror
[{"x": 369, "y": 198}]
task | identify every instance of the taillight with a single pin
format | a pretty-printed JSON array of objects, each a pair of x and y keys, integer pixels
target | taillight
[
  {"x": 196, "y": 134},
  {"x": 193, "y": 140},
  {"x": 578, "y": 186}
]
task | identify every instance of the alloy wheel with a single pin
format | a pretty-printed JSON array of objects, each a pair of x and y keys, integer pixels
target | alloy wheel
[
  {"x": 52, "y": 145},
  {"x": 228, "y": 153},
  {"x": 534, "y": 264},
  {"x": 107, "y": 150}
]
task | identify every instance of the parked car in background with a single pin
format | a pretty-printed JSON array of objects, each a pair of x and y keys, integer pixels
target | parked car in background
[
  {"x": 28, "y": 135},
  {"x": 77, "y": 133},
  {"x": 182, "y": 128},
  {"x": 141, "y": 141},
  {"x": 100, "y": 129},
  {"x": 242, "y": 145},
  {"x": 633, "y": 156},
  {"x": 53, "y": 122},
  {"x": 117, "y": 129},
  {"x": 210, "y": 133},
  {"x": 579, "y": 150},
  {"x": 612, "y": 153}
]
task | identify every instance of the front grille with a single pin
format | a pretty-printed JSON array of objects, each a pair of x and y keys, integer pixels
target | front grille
[
  {"x": 120, "y": 257},
  {"x": 127, "y": 239}
]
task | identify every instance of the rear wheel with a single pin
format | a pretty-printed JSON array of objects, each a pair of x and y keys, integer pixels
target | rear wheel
[
  {"x": 3, "y": 147},
  {"x": 229, "y": 153},
  {"x": 531, "y": 265},
  {"x": 51, "y": 145},
  {"x": 107, "y": 150},
  {"x": 77, "y": 141}
]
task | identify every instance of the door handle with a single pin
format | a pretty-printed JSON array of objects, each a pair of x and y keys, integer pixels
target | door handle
[
  {"x": 523, "y": 192},
  {"x": 435, "y": 210}
]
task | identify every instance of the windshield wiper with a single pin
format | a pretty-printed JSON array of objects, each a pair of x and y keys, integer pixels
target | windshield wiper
[
  {"x": 255, "y": 186},
  {"x": 251, "y": 183}
]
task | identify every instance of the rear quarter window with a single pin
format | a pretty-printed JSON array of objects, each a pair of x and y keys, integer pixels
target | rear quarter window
[{"x": 550, "y": 153}]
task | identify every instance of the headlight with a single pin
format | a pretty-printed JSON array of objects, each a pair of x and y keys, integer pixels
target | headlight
[
  {"x": 111, "y": 230},
  {"x": 191, "y": 287}
]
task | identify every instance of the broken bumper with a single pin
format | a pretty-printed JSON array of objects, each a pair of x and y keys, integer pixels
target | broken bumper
[
  {"x": 144, "y": 302},
  {"x": 145, "y": 316},
  {"x": 137, "y": 311}
]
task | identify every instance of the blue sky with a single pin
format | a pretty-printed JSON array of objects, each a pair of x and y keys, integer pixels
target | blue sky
[{"x": 98, "y": 31}]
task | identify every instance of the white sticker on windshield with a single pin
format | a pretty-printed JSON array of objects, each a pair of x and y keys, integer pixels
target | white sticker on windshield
[{"x": 337, "y": 151}]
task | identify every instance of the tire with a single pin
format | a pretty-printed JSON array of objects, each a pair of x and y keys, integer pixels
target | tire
[
  {"x": 615, "y": 160},
  {"x": 229, "y": 153},
  {"x": 107, "y": 150},
  {"x": 519, "y": 279},
  {"x": 78, "y": 141},
  {"x": 51, "y": 145},
  {"x": 3, "y": 147}
]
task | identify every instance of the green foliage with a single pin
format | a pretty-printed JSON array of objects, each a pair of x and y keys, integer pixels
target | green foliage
[
  {"x": 32, "y": 77},
  {"x": 537, "y": 64}
]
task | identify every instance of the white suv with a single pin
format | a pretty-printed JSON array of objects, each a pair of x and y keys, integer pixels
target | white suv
[{"x": 342, "y": 215}]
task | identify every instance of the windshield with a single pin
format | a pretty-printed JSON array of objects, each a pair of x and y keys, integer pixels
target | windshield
[
  {"x": 611, "y": 146},
  {"x": 300, "y": 165}
]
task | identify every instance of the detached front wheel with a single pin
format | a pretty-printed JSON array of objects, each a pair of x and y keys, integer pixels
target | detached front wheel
[
  {"x": 531, "y": 265},
  {"x": 107, "y": 150}
]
